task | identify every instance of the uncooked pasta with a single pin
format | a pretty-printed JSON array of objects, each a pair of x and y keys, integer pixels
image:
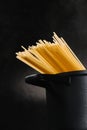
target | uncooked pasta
[{"x": 50, "y": 58}]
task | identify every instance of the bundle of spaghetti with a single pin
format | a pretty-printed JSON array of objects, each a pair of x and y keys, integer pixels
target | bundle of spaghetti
[{"x": 50, "y": 58}]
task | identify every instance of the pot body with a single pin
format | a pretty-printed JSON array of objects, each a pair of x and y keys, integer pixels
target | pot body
[
  {"x": 67, "y": 102},
  {"x": 66, "y": 97}
]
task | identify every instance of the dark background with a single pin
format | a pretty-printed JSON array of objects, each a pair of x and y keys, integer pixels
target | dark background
[{"x": 23, "y": 106}]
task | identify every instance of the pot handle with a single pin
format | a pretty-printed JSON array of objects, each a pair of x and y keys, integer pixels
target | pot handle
[{"x": 36, "y": 79}]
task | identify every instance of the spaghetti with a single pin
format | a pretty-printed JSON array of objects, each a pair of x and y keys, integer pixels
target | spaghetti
[{"x": 51, "y": 58}]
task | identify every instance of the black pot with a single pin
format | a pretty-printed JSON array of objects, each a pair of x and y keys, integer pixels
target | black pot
[{"x": 66, "y": 95}]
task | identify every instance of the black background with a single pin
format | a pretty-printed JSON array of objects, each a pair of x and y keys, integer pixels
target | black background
[{"x": 23, "y": 106}]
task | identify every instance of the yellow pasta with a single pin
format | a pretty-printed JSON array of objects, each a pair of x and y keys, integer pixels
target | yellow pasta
[{"x": 51, "y": 58}]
